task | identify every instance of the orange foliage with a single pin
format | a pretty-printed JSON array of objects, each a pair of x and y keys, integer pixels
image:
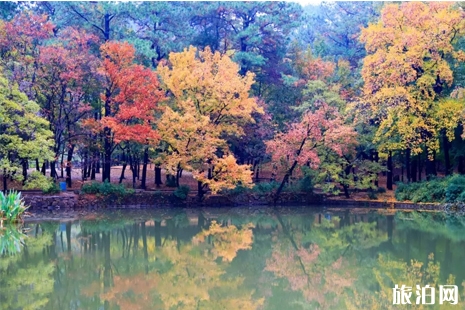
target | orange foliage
[{"x": 131, "y": 96}]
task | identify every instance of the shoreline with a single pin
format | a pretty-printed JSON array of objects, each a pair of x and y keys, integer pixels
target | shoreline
[{"x": 74, "y": 204}]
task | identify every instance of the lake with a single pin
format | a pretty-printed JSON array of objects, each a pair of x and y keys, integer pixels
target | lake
[{"x": 233, "y": 258}]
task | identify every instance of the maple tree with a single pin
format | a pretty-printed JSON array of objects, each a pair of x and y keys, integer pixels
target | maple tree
[
  {"x": 202, "y": 112},
  {"x": 299, "y": 145},
  {"x": 64, "y": 82},
  {"x": 129, "y": 101}
]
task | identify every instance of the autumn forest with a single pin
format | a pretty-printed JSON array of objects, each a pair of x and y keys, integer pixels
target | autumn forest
[{"x": 338, "y": 98}]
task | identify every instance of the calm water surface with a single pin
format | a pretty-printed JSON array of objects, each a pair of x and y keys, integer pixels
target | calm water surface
[{"x": 289, "y": 258}]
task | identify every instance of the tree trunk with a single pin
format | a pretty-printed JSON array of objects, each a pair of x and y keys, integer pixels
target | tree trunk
[
  {"x": 133, "y": 170},
  {"x": 24, "y": 166},
  {"x": 37, "y": 164},
  {"x": 144, "y": 168},
  {"x": 420, "y": 167},
  {"x": 93, "y": 168},
  {"x": 121, "y": 178},
  {"x": 407, "y": 165},
  {"x": 445, "y": 145},
  {"x": 44, "y": 169},
  {"x": 178, "y": 172},
  {"x": 62, "y": 158},
  {"x": 257, "y": 170},
  {"x": 158, "y": 181},
  {"x": 376, "y": 159},
  {"x": 69, "y": 159},
  {"x": 200, "y": 190},
  {"x": 53, "y": 172},
  {"x": 414, "y": 169},
  {"x": 106, "y": 174},
  {"x": 389, "y": 172},
  {"x": 344, "y": 185}
]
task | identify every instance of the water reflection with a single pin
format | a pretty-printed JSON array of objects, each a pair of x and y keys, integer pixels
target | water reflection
[{"x": 233, "y": 259}]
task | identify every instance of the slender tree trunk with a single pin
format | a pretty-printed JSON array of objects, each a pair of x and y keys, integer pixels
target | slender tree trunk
[
  {"x": 93, "y": 168},
  {"x": 414, "y": 169},
  {"x": 44, "y": 169},
  {"x": 178, "y": 172},
  {"x": 420, "y": 167},
  {"x": 389, "y": 172},
  {"x": 445, "y": 145},
  {"x": 24, "y": 166},
  {"x": 86, "y": 166},
  {"x": 200, "y": 190},
  {"x": 62, "y": 158},
  {"x": 257, "y": 170},
  {"x": 138, "y": 169},
  {"x": 158, "y": 181},
  {"x": 144, "y": 168},
  {"x": 133, "y": 170},
  {"x": 376, "y": 159},
  {"x": 69, "y": 160},
  {"x": 37, "y": 164},
  {"x": 121, "y": 178},
  {"x": 407, "y": 164},
  {"x": 53, "y": 172},
  {"x": 106, "y": 174},
  {"x": 344, "y": 185}
]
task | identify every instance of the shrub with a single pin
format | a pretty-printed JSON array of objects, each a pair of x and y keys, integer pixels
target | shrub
[
  {"x": 449, "y": 189},
  {"x": 107, "y": 190},
  {"x": 11, "y": 206},
  {"x": 182, "y": 192},
  {"x": 455, "y": 188},
  {"x": 170, "y": 180},
  {"x": 39, "y": 181},
  {"x": 11, "y": 240}
]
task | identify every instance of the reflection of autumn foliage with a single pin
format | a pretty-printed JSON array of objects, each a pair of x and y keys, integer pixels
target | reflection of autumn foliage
[
  {"x": 227, "y": 240},
  {"x": 389, "y": 272},
  {"x": 190, "y": 278},
  {"x": 306, "y": 272}
]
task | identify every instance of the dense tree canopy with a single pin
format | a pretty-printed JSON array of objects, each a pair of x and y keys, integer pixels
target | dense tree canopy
[{"x": 227, "y": 91}]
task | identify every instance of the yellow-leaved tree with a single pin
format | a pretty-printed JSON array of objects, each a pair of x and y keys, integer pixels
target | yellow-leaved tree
[
  {"x": 406, "y": 72},
  {"x": 209, "y": 101}
]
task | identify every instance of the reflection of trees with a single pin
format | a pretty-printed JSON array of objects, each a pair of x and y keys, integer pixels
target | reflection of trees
[
  {"x": 186, "y": 275},
  {"x": 227, "y": 240},
  {"x": 321, "y": 262},
  {"x": 26, "y": 281},
  {"x": 389, "y": 271}
]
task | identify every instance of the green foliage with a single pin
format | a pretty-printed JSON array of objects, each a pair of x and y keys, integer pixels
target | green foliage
[
  {"x": 23, "y": 133},
  {"x": 39, "y": 181},
  {"x": 11, "y": 206},
  {"x": 182, "y": 192},
  {"x": 107, "y": 190},
  {"x": 11, "y": 240},
  {"x": 170, "y": 181},
  {"x": 449, "y": 189}
]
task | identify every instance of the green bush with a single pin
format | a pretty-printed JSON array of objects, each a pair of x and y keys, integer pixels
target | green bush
[
  {"x": 39, "y": 181},
  {"x": 107, "y": 190},
  {"x": 455, "y": 188},
  {"x": 170, "y": 180},
  {"x": 11, "y": 206},
  {"x": 449, "y": 189},
  {"x": 182, "y": 192}
]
